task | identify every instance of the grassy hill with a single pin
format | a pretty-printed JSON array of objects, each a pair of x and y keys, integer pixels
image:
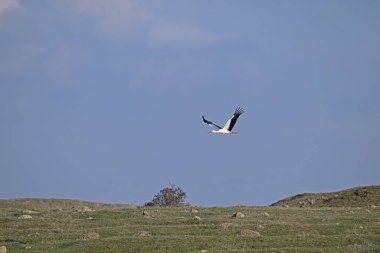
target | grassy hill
[
  {"x": 50, "y": 225},
  {"x": 365, "y": 196}
]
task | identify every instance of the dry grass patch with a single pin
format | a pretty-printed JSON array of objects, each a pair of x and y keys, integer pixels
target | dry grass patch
[
  {"x": 89, "y": 236},
  {"x": 249, "y": 233}
]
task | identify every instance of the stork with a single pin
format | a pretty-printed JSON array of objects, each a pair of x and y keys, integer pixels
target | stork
[{"x": 227, "y": 129}]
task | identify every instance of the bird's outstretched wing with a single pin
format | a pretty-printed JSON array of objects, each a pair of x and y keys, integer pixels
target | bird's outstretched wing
[
  {"x": 232, "y": 121},
  {"x": 210, "y": 123}
]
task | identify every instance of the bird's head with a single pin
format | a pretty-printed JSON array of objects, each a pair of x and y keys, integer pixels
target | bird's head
[{"x": 211, "y": 131}]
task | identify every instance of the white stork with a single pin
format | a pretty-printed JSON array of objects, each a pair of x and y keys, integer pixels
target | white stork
[{"x": 227, "y": 129}]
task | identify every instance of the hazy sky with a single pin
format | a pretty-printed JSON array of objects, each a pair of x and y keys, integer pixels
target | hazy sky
[{"x": 102, "y": 100}]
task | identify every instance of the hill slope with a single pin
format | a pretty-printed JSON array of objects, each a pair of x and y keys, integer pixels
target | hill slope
[
  {"x": 355, "y": 197},
  {"x": 64, "y": 229},
  {"x": 63, "y": 226}
]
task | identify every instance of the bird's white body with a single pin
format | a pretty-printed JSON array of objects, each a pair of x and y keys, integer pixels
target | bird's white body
[{"x": 222, "y": 131}]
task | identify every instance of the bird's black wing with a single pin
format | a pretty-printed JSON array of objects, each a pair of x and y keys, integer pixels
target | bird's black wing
[
  {"x": 232, "y": 121},
  {"x": 210, "y": 123}
]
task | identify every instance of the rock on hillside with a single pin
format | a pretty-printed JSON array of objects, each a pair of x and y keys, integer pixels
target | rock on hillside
[
  {"x": 3, "y": 249},
  {"x": 365, "y": 196}
]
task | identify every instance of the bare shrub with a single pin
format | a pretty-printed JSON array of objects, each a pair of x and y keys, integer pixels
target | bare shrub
[{"x": 169, "y": 196}]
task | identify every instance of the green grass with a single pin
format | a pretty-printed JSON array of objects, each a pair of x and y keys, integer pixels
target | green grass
[{"x": 57, "y": 226}]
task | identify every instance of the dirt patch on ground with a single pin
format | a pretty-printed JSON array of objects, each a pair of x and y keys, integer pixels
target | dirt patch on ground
[
  {"x": 144, "y": 233},
  {"x": 89, "y": 236},
  {"x": 226, "y": 225}
]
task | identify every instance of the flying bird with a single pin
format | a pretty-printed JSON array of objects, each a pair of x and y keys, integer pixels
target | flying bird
[{"x": 227, "y": 129}]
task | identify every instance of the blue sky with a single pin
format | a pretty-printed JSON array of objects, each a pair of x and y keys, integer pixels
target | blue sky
[{"x": 102, "y": 100}]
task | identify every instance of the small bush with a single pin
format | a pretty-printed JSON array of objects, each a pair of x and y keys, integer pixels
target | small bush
[{"x": 169, "y": 196}]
